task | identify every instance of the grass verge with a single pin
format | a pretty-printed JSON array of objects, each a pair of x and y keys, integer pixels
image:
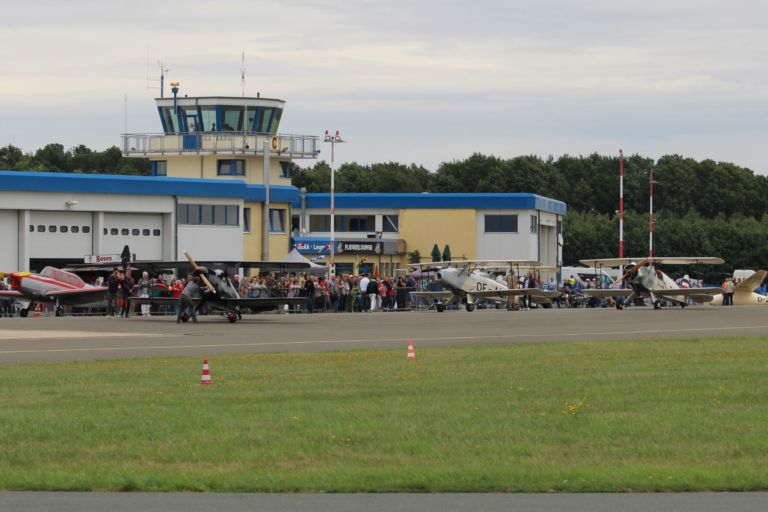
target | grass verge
[{"x": 603, "y": 416}]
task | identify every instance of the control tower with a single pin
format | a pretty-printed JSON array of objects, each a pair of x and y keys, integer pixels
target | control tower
[{"x": 220, "y": 137}]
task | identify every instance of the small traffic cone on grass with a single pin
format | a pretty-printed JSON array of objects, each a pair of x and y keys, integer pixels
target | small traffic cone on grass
[
  {"x": 206, "y": 377},
  {"x": 411, "y": 353}
]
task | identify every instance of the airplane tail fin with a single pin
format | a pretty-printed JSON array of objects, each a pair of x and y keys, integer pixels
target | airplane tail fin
[{"x": 752, "y": 282}]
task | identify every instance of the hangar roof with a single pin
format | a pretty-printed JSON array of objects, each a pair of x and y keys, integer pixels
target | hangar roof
[
  {"x": 142, "y": 185},
  {"x": 429, "y": 200}
]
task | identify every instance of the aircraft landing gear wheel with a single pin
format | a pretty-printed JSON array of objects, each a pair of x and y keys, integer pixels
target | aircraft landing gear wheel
[
  {"x": 24, "y": 313},
  {"x": 59, "y": 311},
  {"x": 232, "y": 317},
  {"x": 470, "y": 307},
  {"x": 440, "y": 308}
]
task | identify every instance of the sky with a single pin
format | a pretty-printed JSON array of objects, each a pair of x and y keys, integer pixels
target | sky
[{"x": 419, "y": 82}]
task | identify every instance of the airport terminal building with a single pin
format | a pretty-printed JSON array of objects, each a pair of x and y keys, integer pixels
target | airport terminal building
[{"x": 220, "y": 190}]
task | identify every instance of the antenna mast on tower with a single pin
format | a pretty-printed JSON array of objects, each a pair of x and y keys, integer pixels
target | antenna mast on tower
[
  {"x": 163, "y": 73},
  {"x": 242, "y": 75}
]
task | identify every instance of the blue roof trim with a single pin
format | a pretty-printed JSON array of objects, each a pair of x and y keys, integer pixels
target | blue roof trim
[
  {"x": 277, "y": 193},
  {"x": 142, "y": 185},
  {"x": 474, "y": 201}
]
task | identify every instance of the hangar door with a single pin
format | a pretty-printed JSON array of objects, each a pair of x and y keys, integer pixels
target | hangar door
[
  {"x": 142, "y": 232},
  {"x": 60, "y": 235},
  {"x": 9, "y": 241}
]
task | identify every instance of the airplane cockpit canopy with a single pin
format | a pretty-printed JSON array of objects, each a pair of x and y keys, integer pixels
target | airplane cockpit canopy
[{"x": 62, "y": 276}]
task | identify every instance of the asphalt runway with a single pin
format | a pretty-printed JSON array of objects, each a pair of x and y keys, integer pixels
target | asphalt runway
[{"x": 50, "y": 339}]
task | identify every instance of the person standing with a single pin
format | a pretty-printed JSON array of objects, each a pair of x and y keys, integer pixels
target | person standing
[
  {"x": 189, "y": 294},
  {"x": 730, "y": 288},
  {"x": 112, "y": 287},
  {"x": 365, "y": 304},
  {"x": 143, "y": 287}
]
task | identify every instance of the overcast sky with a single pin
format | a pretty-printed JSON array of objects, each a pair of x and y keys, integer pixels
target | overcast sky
[{"x": 407, "y": 81}]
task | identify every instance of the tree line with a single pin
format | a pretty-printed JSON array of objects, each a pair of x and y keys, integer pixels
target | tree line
[
  {"x": 80, "y": 159},
  {"x": 701, "y": 207}
]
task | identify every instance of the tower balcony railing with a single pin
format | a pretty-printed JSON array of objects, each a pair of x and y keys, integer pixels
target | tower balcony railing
[{"x": 234, "y": 143}]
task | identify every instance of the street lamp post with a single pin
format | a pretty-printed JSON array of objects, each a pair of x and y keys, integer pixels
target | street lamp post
[{"x": 333, "y": 139}]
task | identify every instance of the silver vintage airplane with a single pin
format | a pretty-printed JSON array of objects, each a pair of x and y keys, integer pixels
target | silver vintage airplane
[
  {"x": 642, "y": 279},
  {"x": 464, "y": 280}
]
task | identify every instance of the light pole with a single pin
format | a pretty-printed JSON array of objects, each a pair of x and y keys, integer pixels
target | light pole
[{"x": 333, "y": 139}]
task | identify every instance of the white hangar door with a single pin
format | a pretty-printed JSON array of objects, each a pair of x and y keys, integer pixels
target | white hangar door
[
  {"x": 60, "y": 235},
  {"x": 9, "y": 241},
  {"x": 142, "y": 232}
]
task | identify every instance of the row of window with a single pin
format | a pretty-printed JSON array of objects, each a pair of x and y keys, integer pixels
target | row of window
[
  {"x": 41, "y": 228},
  {"x": 131, "y": 232},
  {"x": 223, "y": 168},
  {"x": 59, "y": 229},
  {"x": 354, "y": 223},
  {"x": 507, "y": 224},
  {"x": 208, "y": 214}
]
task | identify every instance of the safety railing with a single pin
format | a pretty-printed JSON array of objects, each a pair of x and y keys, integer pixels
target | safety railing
[{"x": 148, "y": 144}]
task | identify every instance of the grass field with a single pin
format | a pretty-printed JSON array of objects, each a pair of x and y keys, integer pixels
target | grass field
[{"x": 640, "y": 416}]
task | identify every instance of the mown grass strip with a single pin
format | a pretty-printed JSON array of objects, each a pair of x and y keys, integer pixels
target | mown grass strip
[{"x": 603, "y": 416}]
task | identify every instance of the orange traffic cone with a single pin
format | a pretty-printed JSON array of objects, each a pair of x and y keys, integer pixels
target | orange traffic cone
[
  {"x": 206, "y": 378},
  {"x": 411, "y": 353}
]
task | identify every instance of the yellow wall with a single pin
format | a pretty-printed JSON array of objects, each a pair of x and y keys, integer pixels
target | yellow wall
[
  {"x": 422, "y": 229},
  {"x": 278, "y": 242},
  {"x": 204, "y": 166}
]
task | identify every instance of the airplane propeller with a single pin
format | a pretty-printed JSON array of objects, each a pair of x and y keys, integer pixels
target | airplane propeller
[
  {"x": 202, "y": 276},
  {"x": 632, "y": 270}
]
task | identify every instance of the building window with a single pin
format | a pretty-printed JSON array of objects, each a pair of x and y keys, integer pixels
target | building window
[
  {"x": 320, "y": 223},
  {"x": 277, "y": 221},
  {"x": 31, "y": 228},
  {"x": 52, "y": 229},
  {"x": 124, "y": 232},
  {"x": 114, "y": 231},
  {"x": 159, "y": 168},
  {"x": 233, "y": 215},
  {"x": 295, "y": 223},
  {"x": 534, "y": 224},
  {"x": 230, "y": 167},
  {"x": 145, "y": 232},
  {"x": 358, "y": 224},
  {"x": 105, "y": 231},
  {"x": 155, "y": 232},
  {"x": 40, "y": 228},
  {"x": 75, "y": 229},
  {"x": 285, "y": 169},
  {"x": 501, "y": 223},
  {"x": 390, "y": 223},
  {"x": 246, "y": 220},
  {"x": 64, "y": 229},
  {"x": 208, "y": 215},
  {"x": 87, "y": 229},
  {"x": 135, "y": 232}
]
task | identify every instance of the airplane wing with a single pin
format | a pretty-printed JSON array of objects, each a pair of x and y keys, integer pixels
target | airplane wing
[
  {"x": 77, "y": 297},
  {"x": 709, "y": 291},
  {"x": 430, "y": 295},
  {"x": 10, "y": 295},
  {"x": 686, "y": 260},
  {"x": 606, "y": 292},
  {"x": 156, "y": 265},
  {"x": 752, "y": 282},
  {"x": 673, "y": 260},
  {"x": 252, "y": 303},
  {"x": 516, "y": 292}
]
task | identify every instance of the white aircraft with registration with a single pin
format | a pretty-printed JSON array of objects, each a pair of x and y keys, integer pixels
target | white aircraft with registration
[
  {"x": 51, "y": 286},
  {"x": 464, "y": 280},
  {"x": 642, "y": 279},
  {"x": 744, "y": 294}
]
